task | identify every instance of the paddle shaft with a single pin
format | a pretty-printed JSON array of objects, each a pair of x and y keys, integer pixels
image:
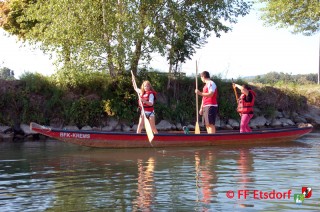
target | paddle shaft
[
  {"x": 135, "y": 88},
  {"x": 197, "y": 106},
  {"x": 197, "y": 127},
  {"x": 235, "y": 91}
]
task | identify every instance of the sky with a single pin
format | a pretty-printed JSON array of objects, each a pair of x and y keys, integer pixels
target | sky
[{"x": 250, "y": 49}]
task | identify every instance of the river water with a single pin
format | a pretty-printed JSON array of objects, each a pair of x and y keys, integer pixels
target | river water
[{"x": 55, "y": 176}]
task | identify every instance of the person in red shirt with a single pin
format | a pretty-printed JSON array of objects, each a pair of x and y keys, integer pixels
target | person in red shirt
[{"x": 209, "y": 104}]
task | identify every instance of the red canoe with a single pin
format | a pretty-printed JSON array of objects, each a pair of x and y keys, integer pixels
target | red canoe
[{"x": 132, "y": 140}]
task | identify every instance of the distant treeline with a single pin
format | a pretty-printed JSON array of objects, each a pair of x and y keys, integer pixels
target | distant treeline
[{"x": 275, "y": 77}]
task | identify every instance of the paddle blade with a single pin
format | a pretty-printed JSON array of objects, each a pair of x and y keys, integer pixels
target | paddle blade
[
  {"x": 148, "y": 129},
  {"x": 197, "y": 128}
]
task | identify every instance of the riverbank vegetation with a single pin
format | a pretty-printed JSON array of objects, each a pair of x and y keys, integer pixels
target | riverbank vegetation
[{"x": 92, "y": 98}]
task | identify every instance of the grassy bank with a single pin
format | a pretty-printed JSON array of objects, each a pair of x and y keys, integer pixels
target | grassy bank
[{"x": 82, "y": 98}]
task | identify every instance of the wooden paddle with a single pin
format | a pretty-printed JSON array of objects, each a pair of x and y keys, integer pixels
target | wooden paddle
[
  {"x": 197, "y": 128},
  {"x": 235, "y": 91},
  {"x": 146, "y": 120}
]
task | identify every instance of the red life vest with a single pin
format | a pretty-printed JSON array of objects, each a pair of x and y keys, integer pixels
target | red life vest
[
  {"x": 145, "y": 96},
  {"x": 209, "y": 100},
  {"x": 246, "y": 107}
]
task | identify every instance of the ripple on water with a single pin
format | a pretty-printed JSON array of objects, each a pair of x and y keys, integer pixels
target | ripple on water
[{"x": 53, "y": 176}]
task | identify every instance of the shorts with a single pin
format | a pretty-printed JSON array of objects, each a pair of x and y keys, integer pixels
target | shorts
[
  {"x": 209, "y": 115},
  {"x": 148, "y": 114}
]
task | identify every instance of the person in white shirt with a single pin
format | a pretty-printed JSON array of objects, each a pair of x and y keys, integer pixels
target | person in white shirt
[
  {"x": 209, "y": 104},
  {"x": 148, "y": 96}
]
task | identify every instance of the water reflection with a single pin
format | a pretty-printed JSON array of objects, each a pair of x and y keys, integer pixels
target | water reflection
[
  {"x": 146, "y": 188},
  {"x": 205, "y": 176},
  {"x": 245, "y": 166},
  {"x": 55, "y": 176}
]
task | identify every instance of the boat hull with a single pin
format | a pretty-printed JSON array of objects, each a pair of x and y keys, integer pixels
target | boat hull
[{"x": 132, "y": 140}]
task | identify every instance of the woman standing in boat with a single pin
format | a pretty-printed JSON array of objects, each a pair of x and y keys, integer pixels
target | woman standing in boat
[
  {"x": 245, "y": 106},
  {"x": 148, "y": 96}
]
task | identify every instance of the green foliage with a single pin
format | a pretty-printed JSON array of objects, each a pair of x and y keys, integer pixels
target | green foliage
[
  {"x": 186, "y": 25},
  {"x": 120, "y": 100},
  {"x": 269, "y": 111},
  {"x": 283, "y": 98},
  {"x": 226, "y": 98},
  {"x": 18, "y": 107},
  {"x": 164, "y": 113},
  {"x": 111, "y": 36},
  {"x": 6, "y": 73},
  {"x": 83, "y": 112},
  {"x": 82, "y": 81},
  {"x": 157, "y": 79},
  {"x": 41, "y": 89},
  {"x": 302, "y": 16},
  {"x": 88, "y": 98},
  {"x": 312, "y": 92},
  {"x": 11, "y": 13},
  {"x": 124, "y": 108},
  {"x": 284, "y": 78},
  {"x": 10, "y": 100},
  {"x": 37, "y": 83}
]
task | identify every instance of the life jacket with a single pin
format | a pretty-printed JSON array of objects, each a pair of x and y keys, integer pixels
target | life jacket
[
  {"x": 145, "y": 96},
  {"x": 246, "y": 107},
  {"x": 210, "y": 100}
]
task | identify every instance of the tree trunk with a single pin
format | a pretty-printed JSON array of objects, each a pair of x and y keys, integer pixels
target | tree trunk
[
  {"x": 136, "y": 57},
  {"x": 138, "y": 48},
  {"x": 120, "y": 48},
  {"x": 107, "y": 40}
]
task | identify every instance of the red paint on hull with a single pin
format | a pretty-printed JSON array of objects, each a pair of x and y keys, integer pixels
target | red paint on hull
[{"x": 131, "y": 140}]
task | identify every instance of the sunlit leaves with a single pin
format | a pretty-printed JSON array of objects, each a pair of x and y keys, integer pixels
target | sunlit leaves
[
  {"x": 115, "y": 35},
  {"x": 301, "y": 16}
]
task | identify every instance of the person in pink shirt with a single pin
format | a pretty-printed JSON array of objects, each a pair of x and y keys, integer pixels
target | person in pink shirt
[{"x": 245, "y": 106}]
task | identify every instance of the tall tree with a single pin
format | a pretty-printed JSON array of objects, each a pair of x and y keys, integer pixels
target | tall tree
[
  {"x": 301, "y": 16},
  {"x": 115, "y": 35}
]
